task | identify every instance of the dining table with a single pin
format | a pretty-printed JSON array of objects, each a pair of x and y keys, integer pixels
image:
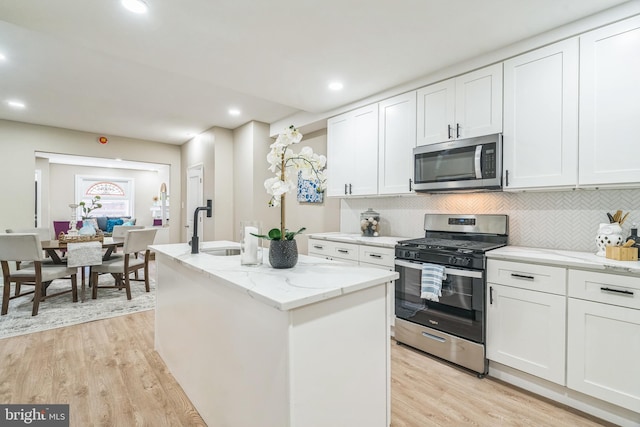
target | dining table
[{"x": 52, "y": 248}]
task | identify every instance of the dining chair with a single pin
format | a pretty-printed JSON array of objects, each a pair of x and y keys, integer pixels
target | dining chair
[
  {"x": 121, "y": 267},
  {"x": 120, "y": 231},
  {"x": 26, "y": 247},
  {"x": 44, "y": 234}
]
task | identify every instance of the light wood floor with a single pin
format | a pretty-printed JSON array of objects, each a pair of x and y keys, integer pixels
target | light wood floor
[{"x": 110, "y": 375}]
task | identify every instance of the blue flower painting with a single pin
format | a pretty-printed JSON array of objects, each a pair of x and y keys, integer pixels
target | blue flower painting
[{"x": 308, "y": 190}]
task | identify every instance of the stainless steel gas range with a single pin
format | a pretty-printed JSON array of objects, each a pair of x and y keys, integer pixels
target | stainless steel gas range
[{"x": 453, "y": 328}]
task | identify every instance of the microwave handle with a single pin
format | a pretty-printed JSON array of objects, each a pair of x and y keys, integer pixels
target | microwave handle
[{"x": 478, "y": 163}]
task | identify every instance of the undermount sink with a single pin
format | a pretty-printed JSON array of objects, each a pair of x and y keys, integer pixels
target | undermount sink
[{"x": 221, "y": 252}]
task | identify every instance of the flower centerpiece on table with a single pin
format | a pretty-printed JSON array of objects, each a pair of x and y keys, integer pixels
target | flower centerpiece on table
[
  {"x": 86, "y": 210},
  {"x": 287, "y": 165}
]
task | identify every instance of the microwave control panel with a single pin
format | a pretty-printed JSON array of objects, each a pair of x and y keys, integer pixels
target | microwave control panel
[{"x": 489, "y": 161}]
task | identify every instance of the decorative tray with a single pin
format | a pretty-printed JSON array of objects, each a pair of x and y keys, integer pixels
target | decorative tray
[{"x": 63, "y": 239}]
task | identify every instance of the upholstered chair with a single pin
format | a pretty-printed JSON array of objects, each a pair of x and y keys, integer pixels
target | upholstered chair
[
  {"x": 26, "y": 247},
  {"x": 121, "y": 267}
]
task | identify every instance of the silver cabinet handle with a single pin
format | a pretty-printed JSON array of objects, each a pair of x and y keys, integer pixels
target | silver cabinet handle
[
  {"x": 375, "y": 256},
  {"x": 343, "y": 251},
  {"x": 433, "y": 337},
  {"x": 318, "y": 247}
]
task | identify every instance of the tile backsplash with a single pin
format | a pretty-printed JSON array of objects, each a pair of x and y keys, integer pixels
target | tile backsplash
[{"x": 555, "y": 219}]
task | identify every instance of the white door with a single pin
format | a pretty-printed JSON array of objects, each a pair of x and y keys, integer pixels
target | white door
[
  {"x": 526, "y": 330},
  {"x": 436, "y": 113},
  {"x": 609, "y": 104},
  {"x": 541, "y": 117},
  {"x": 195, "y": 197},
  {"x": 479, "y": 102},
  {"x": 396, "y": 141}
]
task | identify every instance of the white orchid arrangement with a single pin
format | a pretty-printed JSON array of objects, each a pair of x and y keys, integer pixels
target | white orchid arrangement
[{"x": 287, "y": 166}]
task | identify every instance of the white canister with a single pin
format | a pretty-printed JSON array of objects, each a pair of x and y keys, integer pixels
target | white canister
[
  {"x": 250, "y": 245},
  {"x": 608, "y": 235}
]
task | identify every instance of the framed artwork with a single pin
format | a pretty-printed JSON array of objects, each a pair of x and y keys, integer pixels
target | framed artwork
[{"x": 307, "y": 190}]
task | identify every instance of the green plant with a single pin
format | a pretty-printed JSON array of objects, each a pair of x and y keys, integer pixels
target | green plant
[
  {"x": 276, "y": 234},
  {"x": 86, "y": 210}
]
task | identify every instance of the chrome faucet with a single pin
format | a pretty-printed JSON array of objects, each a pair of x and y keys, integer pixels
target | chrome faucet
[{"x": 195, "y": 244}]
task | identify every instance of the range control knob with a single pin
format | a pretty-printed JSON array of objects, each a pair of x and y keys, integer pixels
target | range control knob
[
  {"x": 464, "y": 261},
  {"x": 453, "y": 260}
]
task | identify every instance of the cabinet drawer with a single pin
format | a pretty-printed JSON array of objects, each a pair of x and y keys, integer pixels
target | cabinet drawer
[
  {"x": 319, "y": 248},
  {"x": 535, "y": 277},
  {"x": 612, "y": 289},
  {"x": 333, "y": 250},
  {"x": 384, "y": 257}
]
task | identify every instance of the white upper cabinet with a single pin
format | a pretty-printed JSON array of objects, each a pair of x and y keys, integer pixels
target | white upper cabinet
[
  {"x": 352, "y": 153},
  {"x": 466, "y": 106},
  {"x": 436, "y": 112},
  {"x": 540, "y": 138},
  {"x": 610, "y": 104},
  {"x": 397, "y": 139}
]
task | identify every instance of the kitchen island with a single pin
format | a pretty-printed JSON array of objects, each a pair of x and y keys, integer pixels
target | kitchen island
[{"x": 258, "y": 346}]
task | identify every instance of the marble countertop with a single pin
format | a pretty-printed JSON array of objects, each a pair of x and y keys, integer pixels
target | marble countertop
[
  {"x": 311, "y": 280},
  {"x": 563, "y": 258},
  {"x": 380, "y": 241}
]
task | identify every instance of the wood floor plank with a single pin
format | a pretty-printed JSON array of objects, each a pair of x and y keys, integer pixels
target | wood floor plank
[{"x": 110, "y": 375}]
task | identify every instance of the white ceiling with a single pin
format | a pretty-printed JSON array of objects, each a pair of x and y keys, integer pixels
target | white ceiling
[{"x": 90, "y": 65}]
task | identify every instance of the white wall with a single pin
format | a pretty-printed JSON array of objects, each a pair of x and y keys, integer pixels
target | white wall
[
  {"x": 62, "y": 186},
  {"x": 213, "y": 149},
  {"x": 20, "y": 141}
]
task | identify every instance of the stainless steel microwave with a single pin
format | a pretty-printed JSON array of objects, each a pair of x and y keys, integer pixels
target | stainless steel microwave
[{"x": 463, "y": 164}]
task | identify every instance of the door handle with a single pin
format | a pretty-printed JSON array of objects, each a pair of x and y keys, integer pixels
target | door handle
[
  {"x": 449, "y": 131},
  {"x": 457, "y": 130},
  {"x": 490, "y": 295},
  {"x": 345, "y": 189},
  {"x": 410, "y": 183}
]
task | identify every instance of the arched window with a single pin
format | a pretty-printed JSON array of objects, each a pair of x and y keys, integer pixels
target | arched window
[
  {"x": 105, "y": 189},
  {"x": 116, "y": 195}
]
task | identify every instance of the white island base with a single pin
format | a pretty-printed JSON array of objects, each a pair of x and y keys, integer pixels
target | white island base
[{"x": 248, "y": 359}]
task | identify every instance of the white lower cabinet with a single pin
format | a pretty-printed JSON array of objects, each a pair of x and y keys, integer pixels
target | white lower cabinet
[
  {"x": 526, "y": 325},
  {"x": 360, "y": 254},
  {"x": 603, "y": 351}
]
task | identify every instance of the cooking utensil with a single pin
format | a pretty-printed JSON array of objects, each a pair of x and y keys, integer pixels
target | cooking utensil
[
  {"x": 624, "y": 217},
  {"x": 611, "y": 220},
  {"x": 629, "y": 243}
]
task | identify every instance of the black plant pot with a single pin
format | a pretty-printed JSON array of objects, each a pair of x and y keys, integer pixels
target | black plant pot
[{"x": 283, "y": 253}]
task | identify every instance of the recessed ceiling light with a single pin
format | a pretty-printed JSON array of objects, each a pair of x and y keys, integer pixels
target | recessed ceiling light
[
  {"x": 336, "y": 86},
  {"x": 16, "y": 104},
  {"x": 135, "y": 6},
  {"x": 234, "y": 112},
  {"x": 2, "y": 57}
]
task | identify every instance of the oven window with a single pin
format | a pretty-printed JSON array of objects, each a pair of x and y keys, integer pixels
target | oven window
[{"x": 459, "y": 310}]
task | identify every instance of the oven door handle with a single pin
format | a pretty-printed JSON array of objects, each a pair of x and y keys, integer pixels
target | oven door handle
[{"x": 450, "y": 271}]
